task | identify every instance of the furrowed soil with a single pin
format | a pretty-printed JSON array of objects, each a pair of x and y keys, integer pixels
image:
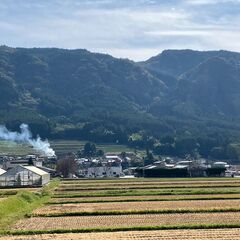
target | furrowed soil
[
  {"x": 128, "y": 207},
  {"x": 117, "y": 221},
  {"x": 200, "y": 234},
  {"x": 144, "y": 198},
  {"x": 138, "y": 206},
  {"x": 133, "y": 187}
]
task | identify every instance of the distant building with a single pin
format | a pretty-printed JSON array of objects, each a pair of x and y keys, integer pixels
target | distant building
[
  {"x": 13, "y": 162},
  {"x": 104, "y": 171},
  {"x": 114, "y": 158},
  {"x": 221, "y": 165},
  {"x": 24, "y": 176}
]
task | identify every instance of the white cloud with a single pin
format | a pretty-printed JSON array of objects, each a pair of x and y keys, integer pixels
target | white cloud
[
  {"x": 210, "y": 2},
  {"x": 136, "y": 29},
  {"x": 191, "y": 33}
]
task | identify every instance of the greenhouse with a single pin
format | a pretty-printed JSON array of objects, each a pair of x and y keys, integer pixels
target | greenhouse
[{"x": 24, "y": 176}]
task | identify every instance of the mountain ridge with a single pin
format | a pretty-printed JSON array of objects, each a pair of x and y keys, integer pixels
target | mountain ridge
[{"x": 59, "y": 91}]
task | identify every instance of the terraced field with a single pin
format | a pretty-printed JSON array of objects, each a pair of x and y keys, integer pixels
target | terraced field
[
  {"x": 65, "y": 146},
  {"x": 137, "y": 209},
  {"x": 194, "y": 205},
  {"x": 144, "y": 198},
  {"x": 59, "y": 146},
  {"x": 200, "y": 234},
  {"x": 126, "y": 221}
]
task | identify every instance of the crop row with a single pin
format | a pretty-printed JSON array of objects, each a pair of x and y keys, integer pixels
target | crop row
[
  {"x": 125, "y": 221},
  {"x": 147, "y": 180},
  {"x": 139, "y": 206},
  {"x": 144, "y": 192},
  {"x": 200, "y": 234},
  {"x": 149, "y": 198},
  {"x": 145, "y": 183},
  {"x": 76, "y": 188}
]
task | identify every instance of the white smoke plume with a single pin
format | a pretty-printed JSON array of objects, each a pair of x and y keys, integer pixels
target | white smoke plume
[{"x": 25, "y": 136}]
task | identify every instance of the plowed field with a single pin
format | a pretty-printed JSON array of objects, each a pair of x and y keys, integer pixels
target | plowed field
[
  {"x": 200, "y": 234},
  {"x": 145, "y": 198},
  {"x": 116, "y": 221},
  {"x": 139, "y": 206}
]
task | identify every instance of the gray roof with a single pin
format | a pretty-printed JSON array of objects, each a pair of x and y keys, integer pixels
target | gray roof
[{"x": 36, "y": 170}]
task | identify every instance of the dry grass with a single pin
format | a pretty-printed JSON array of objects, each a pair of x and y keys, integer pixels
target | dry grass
[
  {"x": 117, "y": 221},
  {"x": 138, "y": 206},
  {"x": 200, "y": 234},
  {"x": 9, "y": 191},
  {"x": 144, "y": 198},
  {"x": 152, "y": 189},
  {"x": 145, "y": 184},
  {"x": 150, "y": 181}
]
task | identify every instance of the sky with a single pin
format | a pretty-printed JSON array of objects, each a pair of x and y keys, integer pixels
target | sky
[{"x": 134, "y": 29}]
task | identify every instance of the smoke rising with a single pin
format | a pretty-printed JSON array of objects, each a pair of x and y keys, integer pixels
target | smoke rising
[{"x": 25, "y": 136}]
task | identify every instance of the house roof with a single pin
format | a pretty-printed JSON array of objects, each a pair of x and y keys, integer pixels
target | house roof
[
  {"x": 2, "y": 171},
  {"x": 36, "y": 170}
]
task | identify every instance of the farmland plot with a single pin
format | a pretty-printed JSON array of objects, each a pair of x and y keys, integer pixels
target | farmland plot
[
  {"x": 150, "y": 180},
  {"x": 141, "y": 192},
  {"x": 200, "y": 234},
  {"x": 144, "y": 198},
  {"x": 138, "y": 206},
  {"x": 119, "y": 183},
  {"x": 142, "y": 187},
  {"x": 126, "y": 221}
]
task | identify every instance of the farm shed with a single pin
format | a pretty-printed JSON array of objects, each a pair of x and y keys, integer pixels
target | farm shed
[{"x": 24, "y": 176}]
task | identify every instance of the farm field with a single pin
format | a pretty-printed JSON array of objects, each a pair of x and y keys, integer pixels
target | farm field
[
  {"x": 12, "y": 148},
  {"x": 134, "y": 181},
  {"x": 144, "y": 192},
  {"x": 149, "y": 186},
  {"x": 200, "y": 234},
  {"x": 139, "y": 206},
  {"x": 126, "y": 221},
  {"x": 144, "y": 198},
  {"x": 59, "y": 146},
  {"x": 65, "y": 146},
  {"x": 100, "y": 209}
]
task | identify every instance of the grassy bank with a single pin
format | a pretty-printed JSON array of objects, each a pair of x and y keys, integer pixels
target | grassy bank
[{"x": 24, "y": 202}]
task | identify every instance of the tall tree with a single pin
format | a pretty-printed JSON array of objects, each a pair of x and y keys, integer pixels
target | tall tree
[{"x": 66, "y": 166}]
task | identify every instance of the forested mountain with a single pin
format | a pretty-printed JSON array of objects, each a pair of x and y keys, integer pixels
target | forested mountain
[{"x": 79, "y": 94}]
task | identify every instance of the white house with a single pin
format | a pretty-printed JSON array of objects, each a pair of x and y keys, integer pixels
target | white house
[
  {"x": 220, "y": 165},
  {"x": 24, "y": 176},
  {"x": 104, "y": 171}
]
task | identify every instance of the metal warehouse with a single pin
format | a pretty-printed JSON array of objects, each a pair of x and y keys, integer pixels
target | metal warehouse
[{"x": 24, "y": 176}]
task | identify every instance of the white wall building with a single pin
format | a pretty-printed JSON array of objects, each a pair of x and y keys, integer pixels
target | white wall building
[
  {"x": 24, "y": 176},
  {"x": 104, "y": 171}
]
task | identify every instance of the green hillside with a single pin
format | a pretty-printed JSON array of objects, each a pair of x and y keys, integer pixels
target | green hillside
[{"x": 79, "y": 95}]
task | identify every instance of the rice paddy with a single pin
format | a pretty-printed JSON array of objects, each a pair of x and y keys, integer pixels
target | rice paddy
[
  {"x": 139, "y": 206},
  {"x": 136, "y": 209},
  {"x": 200, "y": 234}
]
